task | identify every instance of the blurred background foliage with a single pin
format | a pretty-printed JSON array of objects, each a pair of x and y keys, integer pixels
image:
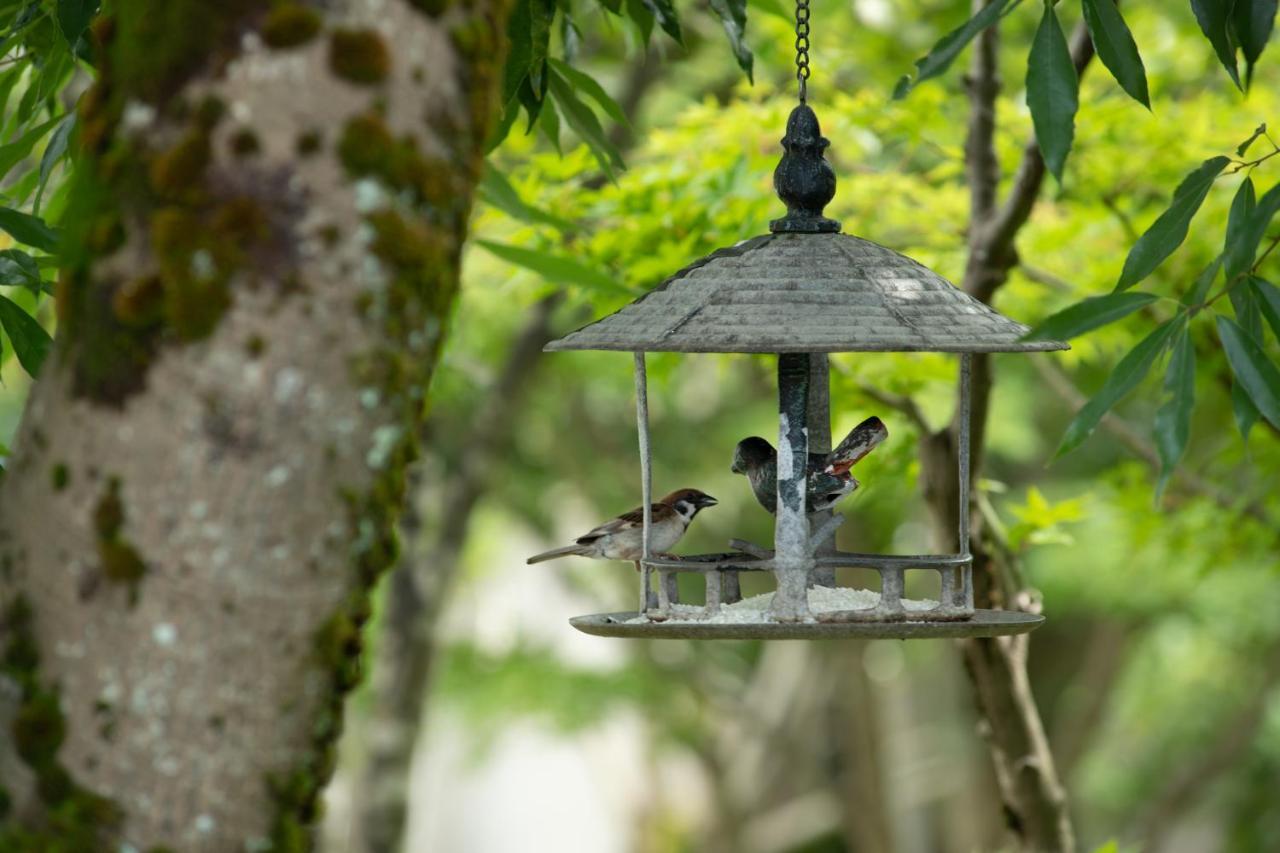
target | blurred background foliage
[{"x": 1157, "y": 671}]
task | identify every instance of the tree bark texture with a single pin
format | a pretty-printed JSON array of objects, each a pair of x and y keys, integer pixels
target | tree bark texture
[
  {"x": 265, "y": 232},
  {"x": 1033, "y": 796}
]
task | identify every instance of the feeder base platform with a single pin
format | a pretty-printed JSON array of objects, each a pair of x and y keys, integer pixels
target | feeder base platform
[{"x": 984, "y": 623}]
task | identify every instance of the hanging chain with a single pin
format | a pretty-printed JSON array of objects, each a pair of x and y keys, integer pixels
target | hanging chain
[{"x": 802, "y": 47}]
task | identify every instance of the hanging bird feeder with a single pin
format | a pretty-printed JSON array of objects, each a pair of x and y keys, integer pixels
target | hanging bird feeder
[{"x": 801, "y": 292}]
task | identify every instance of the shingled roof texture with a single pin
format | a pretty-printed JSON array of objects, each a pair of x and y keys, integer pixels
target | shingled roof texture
[{"x": 805, "y": 293}]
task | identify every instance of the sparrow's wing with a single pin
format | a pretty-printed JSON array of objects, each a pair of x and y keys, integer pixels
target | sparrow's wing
[{"x": 626, "y": 521}]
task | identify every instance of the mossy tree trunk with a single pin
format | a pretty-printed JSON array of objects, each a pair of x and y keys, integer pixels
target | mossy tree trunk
[{"x": 262, "y": 256}]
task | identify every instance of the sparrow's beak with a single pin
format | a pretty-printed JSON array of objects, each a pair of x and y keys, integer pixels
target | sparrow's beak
[
  {"x": 706, "y": 501},
  {"x": 734, "y": 468}
]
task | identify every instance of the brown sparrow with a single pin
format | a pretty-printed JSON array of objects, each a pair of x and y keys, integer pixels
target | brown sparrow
[{"x": 621, "y": 538}]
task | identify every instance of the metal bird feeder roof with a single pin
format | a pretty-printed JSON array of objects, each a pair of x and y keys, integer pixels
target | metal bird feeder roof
[
  {"x": 802, "y": 291},
  {"x": 805, "y": 292}
]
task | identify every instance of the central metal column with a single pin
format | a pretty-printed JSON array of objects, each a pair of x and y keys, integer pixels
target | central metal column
[
  {"x": 819, "y": 420},
  {"x": 793, "y": 557}
]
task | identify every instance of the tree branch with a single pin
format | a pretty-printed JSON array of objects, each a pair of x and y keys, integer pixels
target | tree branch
[
  {"x": 1029, "y": 178},
  {"x": 1131, "y": 437},
  {"x": 900, "y": 403},
  {"x": 982, "y": 167}
]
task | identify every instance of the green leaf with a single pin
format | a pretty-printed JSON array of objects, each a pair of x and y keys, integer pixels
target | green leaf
[
  {"x": 556, "y": 269},
  {"x": 1128, "y": 373},
  {"x": 1260, "y": 378},
  {"x": 733, "y": 15},
  {"x": 664, "y": 11},
  {"x": 1200, "y": 290},
  {"x": 529, "y": 34},
  {"x": 1116, "y": 48},
  {"x": 1267, "y": 296},
  {"x": 30, "y": 340},
  {"x": 1088, "y": 315},
  {"x": 17, "y": 151},
  {"x": 54, "y": 152},
  {"x": 27, "y": 229},
  {"x": 587, "y": 85},
  {"x": 585, "y": 124},
  {"x": 1248, "y": 315},
  {"x": 1214, "y": 17},
  {"x": 74, "y": 17},
  {"x": 1170, "y": 229},
  {"x": 1173, "y": 419},
  {"x": 18, "y": 269},
  {"x": 497, "y": 191},
  {"x": 1244, "y": 146},
  {"x": 1243, "y": 410},
  {"x": 1236, "y": 256},
  {"x": 939, "y": 59},
  {"x": 1246, "y": 227},
  {"x": 1052, "y": 91},
  {"x": 1254, "y": 20},
  {"x": 639, "y": 13},
  {"x": 549, "y": 122}
]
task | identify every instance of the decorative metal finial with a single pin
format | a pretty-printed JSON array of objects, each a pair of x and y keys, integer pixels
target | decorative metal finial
[{"x": 804, "y": 181}]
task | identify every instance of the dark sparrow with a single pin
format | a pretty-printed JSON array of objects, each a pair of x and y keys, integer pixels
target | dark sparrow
[
  {"x": 830, "y": 479},
  {"x": 620, "y": 539}
]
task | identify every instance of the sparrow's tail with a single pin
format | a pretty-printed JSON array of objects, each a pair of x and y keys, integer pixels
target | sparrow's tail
[
  {"x": 567, "y": 551},
  {"x": 860, "y": 441}
]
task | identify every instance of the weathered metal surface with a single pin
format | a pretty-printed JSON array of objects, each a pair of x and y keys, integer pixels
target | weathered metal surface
[
  {"x": 789, "y": 293},
  {"x": 646, "y": 476},
  {"x": 793, "y": 557},
  {"x": 983, "y": 623},
  {"x": 804, "y": 181},
  {"x": 819, "y": 422}
]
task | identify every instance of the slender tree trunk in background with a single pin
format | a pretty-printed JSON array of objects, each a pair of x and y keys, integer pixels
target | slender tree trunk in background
[
  {"x": 407, "y": 645},
  {"x": 268, "y": 216},
  {"x": 1034, "y": 798},
  {"x": 425, "y": 574}
]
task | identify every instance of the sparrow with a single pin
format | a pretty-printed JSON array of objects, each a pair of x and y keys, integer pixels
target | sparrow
[
  {"x": 830, "y": 479},
  {"x": 621, "y": 538}
]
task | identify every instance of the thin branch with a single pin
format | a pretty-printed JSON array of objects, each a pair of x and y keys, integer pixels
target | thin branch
[
  {"x": 900, "y": 403},
  {"x": 1189, "y": 782},
  {"x": 1133, "y": 438},
  {"x": 983, "y": 85}
]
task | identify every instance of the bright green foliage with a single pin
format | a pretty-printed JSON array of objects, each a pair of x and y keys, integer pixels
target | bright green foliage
[
  {"x": 43, "y": 44},
  {"x": 1189, "y": 584}
]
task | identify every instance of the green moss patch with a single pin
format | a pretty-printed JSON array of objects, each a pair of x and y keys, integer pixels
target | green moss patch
[
  {"x": 75, "y": 819},
  {"x": 119, "y": 561},
  {"x": 290, "y": 25},
  {"x": 359, "y": 56}
]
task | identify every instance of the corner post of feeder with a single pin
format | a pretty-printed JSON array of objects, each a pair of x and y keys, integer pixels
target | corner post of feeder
[
  {"x": 966, "y": 405},
  {"x": 793, "y": 554},
  {"x": 646, "y": 475}
]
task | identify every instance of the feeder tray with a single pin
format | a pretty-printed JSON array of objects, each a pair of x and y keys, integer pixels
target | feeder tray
[{"x": 803, "y": 291}]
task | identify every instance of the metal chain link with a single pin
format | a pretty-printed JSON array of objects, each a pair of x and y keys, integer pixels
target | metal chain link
[{"x": 802, "y": 47}]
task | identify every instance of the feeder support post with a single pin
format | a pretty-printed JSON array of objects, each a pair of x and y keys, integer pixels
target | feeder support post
[
  {"x": 646, "y": 475},
  {"x": 793, "y": 556}
]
